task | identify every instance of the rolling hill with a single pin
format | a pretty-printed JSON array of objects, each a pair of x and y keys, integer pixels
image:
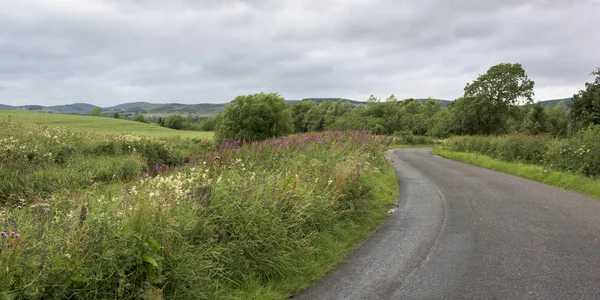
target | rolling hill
[{"x": 200, "y": 110}]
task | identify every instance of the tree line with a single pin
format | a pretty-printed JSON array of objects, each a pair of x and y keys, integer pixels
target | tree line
[{"x": 497, "y": 102}]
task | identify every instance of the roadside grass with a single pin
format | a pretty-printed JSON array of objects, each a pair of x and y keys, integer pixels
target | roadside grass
[
  {"x": 97, "y": 124},
  {"x": 570, "y": 181},
  {"x": 332, "y": 247},
  {"x": 232, "y": 221}
]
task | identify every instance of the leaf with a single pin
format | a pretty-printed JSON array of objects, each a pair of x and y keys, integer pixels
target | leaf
[
  {"x": 10, "y": 296},
  {"x": 150, "y": 260},
  {"x": 77, "y": 278}
]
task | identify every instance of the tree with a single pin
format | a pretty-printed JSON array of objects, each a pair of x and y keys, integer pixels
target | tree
[
  {"x": 96, "y": 112},
  {"x": 175, "y": 122},
  {"x": 140, "y": 118},
  {"x": 299, "y": 112},
  {"x": 585, "y": 109},
  {"x": 491, "y": 98},
  {"x": 207, "y": 124},
  {"x": 335, "y": 111},
  {"x": 503, "y": 84},
  {"x": 535, "y": 119},
  {"x": 161, "y": 122},
  {"x": 117, "y": 115},
  {"x": 558, "y": 120},
  {"x": 254, "y": 117}
]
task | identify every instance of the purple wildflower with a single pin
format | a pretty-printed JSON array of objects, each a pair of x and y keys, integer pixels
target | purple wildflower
[
  {"x": 17, "y": 235},
  {"x": 3, "y": 234}
]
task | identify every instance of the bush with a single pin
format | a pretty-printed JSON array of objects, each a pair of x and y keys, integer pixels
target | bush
[
  {"x": 140, "y": 118},
  {"x": 578, "y": 154},
  {"x": 177, "y": 122},
  {"x": 253, "y": 118}
]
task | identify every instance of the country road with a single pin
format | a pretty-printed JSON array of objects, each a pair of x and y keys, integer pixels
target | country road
[{"x": 464, "y": 232}]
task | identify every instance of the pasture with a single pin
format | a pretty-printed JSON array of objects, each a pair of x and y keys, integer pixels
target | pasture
[{"x": 97, "y": 124}]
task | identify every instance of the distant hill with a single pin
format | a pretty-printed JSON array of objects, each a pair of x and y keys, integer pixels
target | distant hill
[
  {"x": 320, "y": 100},
  {"x": 200, "y": 110},
  {"x": 554, "y": 102},
  {"x": 127, "y": 106},
  {"x": 74, "y": 109}
]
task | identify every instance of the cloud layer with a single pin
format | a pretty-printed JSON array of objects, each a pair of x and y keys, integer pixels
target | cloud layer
[{"x": 107, "y": 52}]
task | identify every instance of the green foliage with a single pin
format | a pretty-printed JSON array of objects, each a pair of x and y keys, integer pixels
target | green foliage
[
  {"x": 299, "y": 113},
  {"x": 408, "y": 138},
  {"x": 177, "y": 122},
  {"x": 117, "y": 115},
  {"x": 585, "y": 109},
  {"x": 140, "y": 118},
  {"x": 557, "y": 120},
  {"x": 207, "y": 124},
  {"x": 253, "y": 118},
  {"x": 490, "y": 100},
  {"x": 43, "y": 160},
  {"x": 578, "y": 153},
  {"x": 535, "y": 121},
  {"x": 96, "y": 112},
  {"x": 502, "y": 85},
  {"x": 566, "y": 180},
  {"x": 280, "y": 210}
]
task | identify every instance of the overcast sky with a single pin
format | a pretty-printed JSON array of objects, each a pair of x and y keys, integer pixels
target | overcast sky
[{"x": 106, "y": 52}]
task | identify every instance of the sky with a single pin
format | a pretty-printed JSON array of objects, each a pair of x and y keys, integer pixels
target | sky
[{"x": 106, "y": 52}]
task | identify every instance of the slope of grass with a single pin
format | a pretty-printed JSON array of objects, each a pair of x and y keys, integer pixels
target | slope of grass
[
  {"x": 573, "y": 182},
  {"x": 96, "y": 124}
]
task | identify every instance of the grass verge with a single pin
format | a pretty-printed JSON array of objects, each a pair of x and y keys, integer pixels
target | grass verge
[
  {"x": 332, "y": 247},
  {"x": 566, "y": 180}
]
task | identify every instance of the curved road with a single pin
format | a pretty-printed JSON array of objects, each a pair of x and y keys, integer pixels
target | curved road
[{"x": 463, "y": 232}]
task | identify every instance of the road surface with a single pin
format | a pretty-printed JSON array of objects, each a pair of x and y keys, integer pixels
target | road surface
[{"x": 464, "y": 232}]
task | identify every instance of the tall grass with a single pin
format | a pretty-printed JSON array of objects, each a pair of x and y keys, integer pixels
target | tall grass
[
  {"x": 237, "y": 221},
  {"x": 38, "y": 160},
  {"x": 579, "y": 154}
]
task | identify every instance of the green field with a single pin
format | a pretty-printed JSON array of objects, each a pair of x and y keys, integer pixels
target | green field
[{"x": 96, "y": 124}]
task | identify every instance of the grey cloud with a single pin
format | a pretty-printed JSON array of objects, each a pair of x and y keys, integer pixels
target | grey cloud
[{"x": 107, "y": 51}]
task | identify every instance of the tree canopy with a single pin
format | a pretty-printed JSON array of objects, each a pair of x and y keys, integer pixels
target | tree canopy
[{"x": 254, "y": 117}]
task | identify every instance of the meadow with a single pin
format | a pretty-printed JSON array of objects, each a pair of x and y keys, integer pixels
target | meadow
[
  {"x": 89, "y": 215},
  {"x": 96, "y": 124}
]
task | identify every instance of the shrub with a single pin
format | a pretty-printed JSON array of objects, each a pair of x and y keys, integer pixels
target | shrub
[
  {"x": 140, "y": 118},
  {"x": 254, "y": 117},
  {"x": 578, "y": 153}
]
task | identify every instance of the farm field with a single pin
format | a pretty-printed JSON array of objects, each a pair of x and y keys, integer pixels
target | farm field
[{"x": 97, "y": 124}]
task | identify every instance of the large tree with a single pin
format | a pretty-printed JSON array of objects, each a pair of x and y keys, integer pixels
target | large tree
[
  {"x": 585, "y": 108},
  {"x": 490, "y": 99},
  {"x": 504, "y": 84},
  {"x": 254, "y": 117}
]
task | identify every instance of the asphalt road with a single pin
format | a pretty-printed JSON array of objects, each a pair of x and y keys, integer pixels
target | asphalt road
[{"x": 464, "y": 232}]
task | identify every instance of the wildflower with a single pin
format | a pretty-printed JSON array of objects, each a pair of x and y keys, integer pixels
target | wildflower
[{"x": 3, "y": 234}]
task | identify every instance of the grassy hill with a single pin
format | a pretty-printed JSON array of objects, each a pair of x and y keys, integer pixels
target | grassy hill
[
  {"x": 127, "y": 110},
  {"x": 95, "y": 124}
]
